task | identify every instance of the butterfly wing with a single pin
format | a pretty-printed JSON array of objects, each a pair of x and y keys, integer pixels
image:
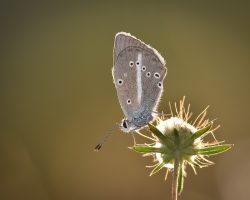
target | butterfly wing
[
  {"x": 153, "y": 75},
  {"x": 136, "y": 92},
  {"x": 124, "y": 74}
]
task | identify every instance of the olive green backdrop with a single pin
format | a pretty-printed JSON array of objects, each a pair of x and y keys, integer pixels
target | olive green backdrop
[{"x": 57, "y": 98}]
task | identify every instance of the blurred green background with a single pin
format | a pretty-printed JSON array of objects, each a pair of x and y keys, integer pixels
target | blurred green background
[{"x": 57, "y": 98}]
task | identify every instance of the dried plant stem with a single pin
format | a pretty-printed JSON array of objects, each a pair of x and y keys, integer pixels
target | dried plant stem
[{"x": 175, "y": 179}]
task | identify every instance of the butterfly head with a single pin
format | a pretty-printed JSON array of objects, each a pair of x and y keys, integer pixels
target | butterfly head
[{"x": 127, "y": 126}]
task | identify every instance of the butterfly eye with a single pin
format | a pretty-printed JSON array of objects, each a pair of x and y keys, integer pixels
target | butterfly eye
[
  {"x": 128, "y": 101},
  {"x": 120, "y": 81},
  {"x": 159, "y": 84},
  {"x": 148, "y": 74},
  {"x": 137, "y": 63},
  {"x": 124, "y": 124},
  {"x": 131, "y": 63},
  {"x": 156, "y": 75},
  {"x": 143, "y": 68}
]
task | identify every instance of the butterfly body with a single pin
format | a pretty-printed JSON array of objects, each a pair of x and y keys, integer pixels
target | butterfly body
[{"x": 138, "y": 74}]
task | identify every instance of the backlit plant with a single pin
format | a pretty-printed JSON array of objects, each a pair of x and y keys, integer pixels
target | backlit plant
[{"x": 178, "y": 143}]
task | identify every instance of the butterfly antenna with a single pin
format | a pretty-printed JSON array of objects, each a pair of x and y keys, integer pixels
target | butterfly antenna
[{"x": 105, "y": 139}]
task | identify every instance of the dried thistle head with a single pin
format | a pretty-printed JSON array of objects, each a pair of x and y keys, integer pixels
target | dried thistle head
[{"x": 178, "y": 143}]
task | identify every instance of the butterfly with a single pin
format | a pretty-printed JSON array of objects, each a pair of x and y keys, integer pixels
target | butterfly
[{"x": 138, "y": 74}]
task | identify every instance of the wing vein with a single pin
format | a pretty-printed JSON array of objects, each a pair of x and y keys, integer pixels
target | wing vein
[{"x": 138, "y": 78}]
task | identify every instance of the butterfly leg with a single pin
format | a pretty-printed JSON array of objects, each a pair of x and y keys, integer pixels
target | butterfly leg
[{"x": 133, "y": 137}]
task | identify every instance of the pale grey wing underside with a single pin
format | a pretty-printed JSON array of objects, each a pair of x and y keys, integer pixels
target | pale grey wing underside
[
  {"x": 152, "y": 80},
  {"x": 127, "y": 90},
  {"x": 126, "y": 51},
  {"x": 124, "y": 40}
]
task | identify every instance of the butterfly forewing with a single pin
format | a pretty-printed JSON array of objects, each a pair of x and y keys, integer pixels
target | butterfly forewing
[{"x": 126, "y": 91}]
